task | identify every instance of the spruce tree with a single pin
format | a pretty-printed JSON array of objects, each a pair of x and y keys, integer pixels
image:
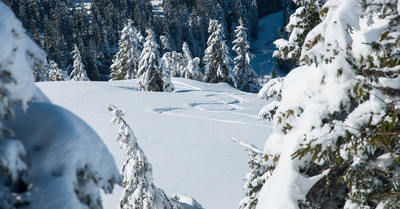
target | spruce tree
[
  {"x": 190, "y": 68},
  {"x": 253, "y": 180},
  {"x": 137, "y": 173},
  {"x": 78, "y": 73},
  {"x": 339, "y": 136},
  {"x": 273, "y": 72},
  {"x": 40, "y": 69},
  {"x": 262, "y": 75},
  {"x": 245, "y": 75},
  {"x": 305, "y": 18},
  {"x": 216, "y": 57},
  {"x": 173, "y": 63},
  {"x": 152, "y": 72},
  {"x": 57, "y": 74},
  {"x": 125, "y": 62},
  {"x": 166, "y": 46}
]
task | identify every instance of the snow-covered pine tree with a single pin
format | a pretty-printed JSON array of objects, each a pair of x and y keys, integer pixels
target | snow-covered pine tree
[
  {"x": 253, "y": 180},
  {"x": 166, "y": 46},
  {"x": 125, "y": 62},
  {"x": 273, "y": 72},
  {"x": 78, "y": 73},
  {"x": 191, "y": 69},
  {"x": 246, "y": 78},
  {"x": 262, "y": 75},
  {"x": 33, "y": 136},
  {"x": 153, "y": 75},
  {"x": 57, "y": 74},
  {"x": 338, "y": 123},
  {"x": 216, "y": 57},
  {"x": 40, "y": 69},
  {"x": 137, "y": 172},
  {"x": 305, "y": 18},
  {"x": 173, "y": 63},
  {"x": 14, "y": 69}
]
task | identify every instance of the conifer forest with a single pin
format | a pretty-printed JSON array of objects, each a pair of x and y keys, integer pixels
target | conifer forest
[{"x": 194, "y": 104}]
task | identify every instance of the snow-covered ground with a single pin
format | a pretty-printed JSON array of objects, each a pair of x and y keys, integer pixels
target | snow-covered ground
[
  {"x": 263, "y": 46},
  {"x": 186, "y": 134}
]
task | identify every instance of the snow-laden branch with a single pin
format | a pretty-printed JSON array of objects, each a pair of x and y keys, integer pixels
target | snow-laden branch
[{"x": 249, "y": 146}]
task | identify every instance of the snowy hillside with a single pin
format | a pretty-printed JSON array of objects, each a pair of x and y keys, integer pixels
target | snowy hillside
[
  {"x": 263, "y": 46},
  {"x": 186, "y": 134}
]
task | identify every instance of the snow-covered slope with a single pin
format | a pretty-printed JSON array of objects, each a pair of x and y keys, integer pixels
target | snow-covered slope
[
  {"x": 186, "y": 134},
  {"x": 263, "y": 46}
]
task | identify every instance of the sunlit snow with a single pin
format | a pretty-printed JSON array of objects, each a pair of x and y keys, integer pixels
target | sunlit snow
[{"x": 186, "y": 134}]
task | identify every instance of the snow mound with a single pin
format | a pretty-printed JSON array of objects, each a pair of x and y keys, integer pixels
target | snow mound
[
  {"x": 65, "y": 156},
  {"x": 186, "y": 201}
]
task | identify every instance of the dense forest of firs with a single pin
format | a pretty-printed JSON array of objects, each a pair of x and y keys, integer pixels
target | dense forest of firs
[{"x": 94, "y": 25}]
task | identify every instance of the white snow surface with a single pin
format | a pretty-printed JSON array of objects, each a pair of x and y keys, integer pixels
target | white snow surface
[
  {"x": 186, "y": 134},
  {"x": 58, "y": 143}
]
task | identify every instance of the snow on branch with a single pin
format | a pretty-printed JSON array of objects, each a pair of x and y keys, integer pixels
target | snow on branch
[
  {"x": 137, "y": 172},
  {"x": 249, "y": 146}
]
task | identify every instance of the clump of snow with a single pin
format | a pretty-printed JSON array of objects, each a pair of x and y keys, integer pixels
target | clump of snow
[
  {"x": 190, "y": 201},
  {"x": 11, "y": 152},
  {"x": 67, "y": 160},
  {"x": 16, "y": 50}
]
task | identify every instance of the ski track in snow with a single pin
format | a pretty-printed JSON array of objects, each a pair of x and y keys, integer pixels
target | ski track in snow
[
  {"x": 185, "y": 134},
  {"x": 214, "y": 119},
  {"x": 187, "y": 86},
  {"x": 220, "y": 102}
]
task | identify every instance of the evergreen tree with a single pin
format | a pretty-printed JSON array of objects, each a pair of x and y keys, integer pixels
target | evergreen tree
[
  {"x": 40, "y": 70},
  {"x": 78, "y": 73},
  {"x": 347, "y": 90},
  {"x": 137, "y": 172},
  {"x": 15, "y": 68},
  {"x": 166, "y": 46},
  {"x": 273, "y": 72},
  {"x": 191, "y": 69},
  {"x": 245, "y": 75},
  {"x": 33, "y": 134},
  {"x": 173, "y": 63},
  {"x": 152, "y": 72},
  {"x": 57, "y": 74},
  {"x": 262, "y": 75},
  {"x": 90, "y": 61},
  {"x": 300, "y": 24},
  {"x": 246, "y": 11},
  {"x": 125, "y": 63},
  {"x": 254, "y": 180},
  {"x": 216, "y": 57}
]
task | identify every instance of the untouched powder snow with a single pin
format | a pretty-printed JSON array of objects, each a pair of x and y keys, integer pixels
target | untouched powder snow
[{"x": 186, "y": 134}]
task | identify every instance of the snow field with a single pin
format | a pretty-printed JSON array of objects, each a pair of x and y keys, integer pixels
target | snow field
[{"x": 186, "y": 135}]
